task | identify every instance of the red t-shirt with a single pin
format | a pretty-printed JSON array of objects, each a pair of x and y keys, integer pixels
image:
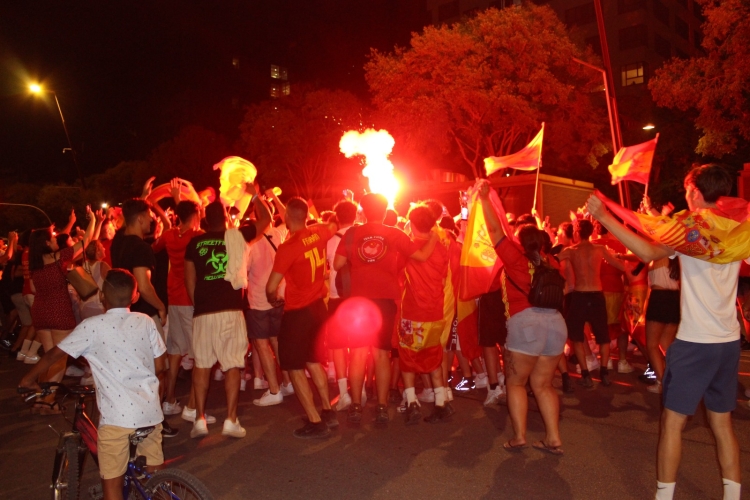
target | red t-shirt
[
  {"x": 610, "y": 276},
  {"x": 302, "y": 261},
  {"x": 516, "y": 267},
  {"x": 423, "y": 294},
  {"x": 373, "y": 254},
  {"x": 176, "y": 244}
]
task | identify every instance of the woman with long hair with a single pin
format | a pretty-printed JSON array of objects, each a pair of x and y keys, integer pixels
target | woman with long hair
[
  {"x": 52, "y": 311},
  {"x": 95, "y": 267},
  {"x": 536, "y": 335}
]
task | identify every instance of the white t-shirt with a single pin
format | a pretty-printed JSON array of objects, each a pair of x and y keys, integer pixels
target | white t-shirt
[
  {"x": 708, "y": 301},
  {"x": 259, "y": 266},
  {"x": 120, "y": 347},
  {"x": 333, "y": 244}
]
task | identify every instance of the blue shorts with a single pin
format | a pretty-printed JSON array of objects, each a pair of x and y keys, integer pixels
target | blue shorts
[
  {"x": 701, "y": 371},
  {"x": 537, "y": 332},
  {"x": 263, "y": 324}
]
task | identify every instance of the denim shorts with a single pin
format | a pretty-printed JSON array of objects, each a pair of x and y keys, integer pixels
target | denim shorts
[
  {"x": 537, "y": 332},
  {"x": 701, "y": 371}
]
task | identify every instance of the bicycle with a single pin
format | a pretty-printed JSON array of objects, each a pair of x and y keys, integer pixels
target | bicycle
[{"x": 72, "y": 446}]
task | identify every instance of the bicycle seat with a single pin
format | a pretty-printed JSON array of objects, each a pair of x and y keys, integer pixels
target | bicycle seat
[
  {"x": 81, "y": 390},
  {"x": 140, "y": 434}
]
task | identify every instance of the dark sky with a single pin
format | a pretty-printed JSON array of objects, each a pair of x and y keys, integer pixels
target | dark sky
[{"x": 129, "y": 75}]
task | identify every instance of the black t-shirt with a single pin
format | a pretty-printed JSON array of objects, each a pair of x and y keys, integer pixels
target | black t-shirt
[
  {"x": 129, "y": 252},
  {"x": 208, "y": 253}
]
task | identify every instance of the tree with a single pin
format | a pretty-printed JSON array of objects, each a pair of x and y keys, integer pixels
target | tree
[
  {"x": 294, "y": 140},
  {"x": 717, "y": 85},
  {"x": 486, "y": 84}
]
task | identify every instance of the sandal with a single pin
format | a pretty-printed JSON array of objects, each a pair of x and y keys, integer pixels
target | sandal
[
  {"x": 508, "y": 446},
  {"x": 552, "y": 450}
]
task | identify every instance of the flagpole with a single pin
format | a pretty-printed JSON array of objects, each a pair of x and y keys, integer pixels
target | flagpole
[
  {"x": 538, "y": 167},
  {"x": 645, "y": 191}
]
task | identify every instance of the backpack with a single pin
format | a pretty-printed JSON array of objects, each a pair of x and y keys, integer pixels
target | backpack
[{"x": 547, "y": 287}]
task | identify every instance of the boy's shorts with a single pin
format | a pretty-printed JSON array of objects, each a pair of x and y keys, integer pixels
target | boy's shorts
[{"x": 114, "y": 450}]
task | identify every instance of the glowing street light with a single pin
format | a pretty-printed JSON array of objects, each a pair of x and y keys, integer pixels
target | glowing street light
[
  {"x": 649, "y": 126},
  {"x": 37, "y": 89}
]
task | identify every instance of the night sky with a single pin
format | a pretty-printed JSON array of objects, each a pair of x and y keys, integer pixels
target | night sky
[{"x": 129, "y": 75}]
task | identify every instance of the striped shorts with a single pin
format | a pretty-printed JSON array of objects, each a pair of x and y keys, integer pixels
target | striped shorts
[{"x": 222, "y": 337}]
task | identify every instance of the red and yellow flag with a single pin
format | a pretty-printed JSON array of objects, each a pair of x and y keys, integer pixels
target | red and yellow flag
[
  {"x": 479, "y": 262},
  {"x": 633, "y": 163},
  {"x": 529, "y": 158},
  {"x": 720, "y": 235}
]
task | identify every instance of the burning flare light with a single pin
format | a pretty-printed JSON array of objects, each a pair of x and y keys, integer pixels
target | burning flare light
[
  {"x": 235, "y": 172},
  {"x": 375, "y": 146}
]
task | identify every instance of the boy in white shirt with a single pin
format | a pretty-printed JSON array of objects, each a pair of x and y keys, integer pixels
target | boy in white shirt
[{"x": 125, "y": 352}]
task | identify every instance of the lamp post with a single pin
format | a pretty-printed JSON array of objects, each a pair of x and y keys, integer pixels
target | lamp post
[{"x": 37, "y": 89}]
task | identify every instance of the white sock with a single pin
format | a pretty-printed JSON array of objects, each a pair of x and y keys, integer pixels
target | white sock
[
  {"x": 411, "y": 395},
  {"x": 342, "y": 386},
  {"x": 731, "y": 489},
  {"x": 664, "y": 491},
  {"x": 439, "y": 396}
]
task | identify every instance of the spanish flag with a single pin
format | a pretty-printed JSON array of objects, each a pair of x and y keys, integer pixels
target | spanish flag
[
  {"x": 720, "y": 235},
  {"x": 633, "y": 163},
  {"x": 529, "y": 158},
  {"x": 479, "y": 262},
  {"x": 419, "y": 347}
]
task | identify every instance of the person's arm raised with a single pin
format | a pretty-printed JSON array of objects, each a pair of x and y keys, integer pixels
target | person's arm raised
[
  {"x": 79, "y": 247},
  {"x": 261, "y": 210},
  {"x": 644, "y": 249},
  {"x": 494, "y": 227}
]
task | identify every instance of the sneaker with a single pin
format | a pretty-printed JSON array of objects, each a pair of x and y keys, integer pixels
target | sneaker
[
  {"x": 218, "y": 375},
  {"x": 481, "y": 381},
  {"x": 31, "y": 359},
  {"x": 189, "y": 415},
  {"x": 437, "y": 415},
  {"x": 381, "y": 415},
  {"x": 586, "y": 382},
  {"x": 74, "y": 371},
  {"x": 286, "y": 390},
  {"x": 648, "y": 377},
  {"x": 6, "y": 344},
  {"x": 355, "y": 413},
  {"x": 171, "y": 408},
  {"x": 20, "y": 356},
  {"x": 465, "y": 385},
  {"x": 394, "y": 397},
  {"x": 413, "y": 414},
  {"x": 344, "y": 402},
  {"x": 655, "y": 388},
  {"x": 493, "y": 396},
  {"x": 624, "y": 367},
  {"x": 426, "y": 396},
  {"x": 199, "y": 429},
  {"x": 329, "y": 417},
  {"x": 87, "y": 380},
  {"x": 268, "y": 399},
  {"x": 243, "y": 384},
  {"x": 313, "y": 431},
  {"x": 168, "y": 431},
  {"x": 259, "y": 383},
  {"x": 232, "y": 429}
]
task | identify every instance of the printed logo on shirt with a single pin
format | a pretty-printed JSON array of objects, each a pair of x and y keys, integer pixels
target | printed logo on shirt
[
  {"x": 219, "y": 262},
  {"x": 372, "y": 248}
]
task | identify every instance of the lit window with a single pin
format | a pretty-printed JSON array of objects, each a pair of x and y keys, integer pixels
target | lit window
[
  {"x": 275, "y": 71},
  {"x": 275, "y": 91},
  {"x": 285, "y": 89},
  {"x": 633, "y": 74},
  {"x": 282, "y": 73}
]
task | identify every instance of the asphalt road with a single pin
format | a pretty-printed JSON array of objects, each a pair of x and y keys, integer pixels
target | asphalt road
[{"x": 609, "y": 436}]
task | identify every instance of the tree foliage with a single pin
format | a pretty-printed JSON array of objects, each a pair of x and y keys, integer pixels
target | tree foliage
[
  {"x": 486, "y": 84},
  {"x": 294, "y": 140},
  {"x": 717, "y": 85}
]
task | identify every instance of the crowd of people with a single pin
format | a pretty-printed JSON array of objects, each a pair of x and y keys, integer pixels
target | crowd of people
[{"x": 290, "y": 300}]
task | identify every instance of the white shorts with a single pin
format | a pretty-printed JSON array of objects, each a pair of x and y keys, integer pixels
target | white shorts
[
  {"x": 222, "y": 337},
  {"x": 180, "y": 338}
]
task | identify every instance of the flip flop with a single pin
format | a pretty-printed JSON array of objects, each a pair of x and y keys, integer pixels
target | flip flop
[
  {"x": 552, "y": 450},
  {"x": 508, "y": 446}
]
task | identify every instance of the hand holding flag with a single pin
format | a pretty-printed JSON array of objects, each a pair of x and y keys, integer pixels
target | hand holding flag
[{"x": 633, "y": 163}]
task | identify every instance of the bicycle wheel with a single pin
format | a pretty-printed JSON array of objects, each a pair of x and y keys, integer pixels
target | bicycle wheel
[
  {"x": 177, "y": 484},
  {"x": 67, "y": 483}
]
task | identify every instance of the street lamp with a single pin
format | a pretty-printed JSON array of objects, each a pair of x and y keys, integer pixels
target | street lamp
[
  {"x": 37, "y": 89},
  {"x": 649, "y": 126}
]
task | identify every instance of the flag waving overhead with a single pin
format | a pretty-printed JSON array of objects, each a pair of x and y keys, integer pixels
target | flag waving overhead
[
  {"x": 718, "y": 235},
  {"x": 633, "y": 163},
  {"x": 529, "y": 158},
  {"x": 479, "y": 262}
]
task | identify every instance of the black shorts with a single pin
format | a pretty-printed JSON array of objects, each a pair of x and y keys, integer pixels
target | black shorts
[
  {"x": 301, "y": 336},
  {"x": 587, "y": 307},
  {"x": 664, "y": 306},
  {"x": 493, "y": 329},
  {"x": 336, "y": 338},
  {"x": 381, "y": 339}
]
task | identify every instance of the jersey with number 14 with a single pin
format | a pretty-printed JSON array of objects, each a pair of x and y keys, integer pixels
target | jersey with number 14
[{"x": 302, "y": 261}]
